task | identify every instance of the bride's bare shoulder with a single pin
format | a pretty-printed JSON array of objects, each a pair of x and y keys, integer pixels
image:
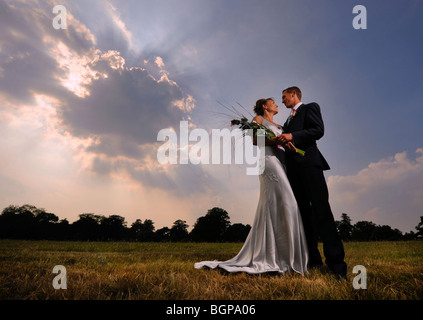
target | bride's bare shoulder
[{"x": 258, "y": 119}]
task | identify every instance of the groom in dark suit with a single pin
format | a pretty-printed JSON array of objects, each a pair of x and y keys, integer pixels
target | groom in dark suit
[{"x": 305, "y": 173}]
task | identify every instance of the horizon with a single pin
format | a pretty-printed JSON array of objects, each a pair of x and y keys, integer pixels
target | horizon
[{"x": 128, "y": 224}]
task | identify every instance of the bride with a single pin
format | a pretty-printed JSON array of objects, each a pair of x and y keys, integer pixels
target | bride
[{"x": 276, "y": 242}]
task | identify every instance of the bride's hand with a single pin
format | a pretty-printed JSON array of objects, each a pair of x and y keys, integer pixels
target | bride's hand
[
  {"x": 279, "y": 139},
  {"x": 272, "y": 141}
]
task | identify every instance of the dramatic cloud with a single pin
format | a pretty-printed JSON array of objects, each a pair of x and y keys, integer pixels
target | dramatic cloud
[
  {"x": 388, "y": 192},
  {"x": 123, "y": 102},
  {"x": 95, "y": 96}
]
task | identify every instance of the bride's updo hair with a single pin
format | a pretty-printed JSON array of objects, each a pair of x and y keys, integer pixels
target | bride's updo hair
[{"x": 258, "y": 108}]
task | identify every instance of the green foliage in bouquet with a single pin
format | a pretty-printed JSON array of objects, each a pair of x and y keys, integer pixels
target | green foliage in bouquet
[{"x": 244, "y": 124}]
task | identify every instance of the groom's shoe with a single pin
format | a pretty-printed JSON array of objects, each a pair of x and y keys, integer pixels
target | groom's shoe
[
  {"x": 341, "y": 276},
  {"x": 339, "y": 270}
]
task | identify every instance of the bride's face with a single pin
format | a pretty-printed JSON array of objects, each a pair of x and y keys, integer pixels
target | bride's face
[{"x": 271, "y": 107}]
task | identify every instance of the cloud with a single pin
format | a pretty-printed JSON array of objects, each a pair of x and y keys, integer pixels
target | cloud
[
  {"x": 125, "y": 102},
  {"x": 120, "y": 24},
  {"x": 387, "y": 192},
  {"x": 108, "y": 112},
  {"x": 26, "y": 40}
]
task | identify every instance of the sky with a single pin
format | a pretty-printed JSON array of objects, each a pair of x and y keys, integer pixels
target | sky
[{"x": 81, "y": 107}]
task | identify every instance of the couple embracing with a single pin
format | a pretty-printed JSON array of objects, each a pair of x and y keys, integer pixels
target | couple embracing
[{"x": 293, "y": 211}]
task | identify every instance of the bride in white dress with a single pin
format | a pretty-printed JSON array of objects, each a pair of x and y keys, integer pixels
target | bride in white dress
[{"x": 276, "y": 241}]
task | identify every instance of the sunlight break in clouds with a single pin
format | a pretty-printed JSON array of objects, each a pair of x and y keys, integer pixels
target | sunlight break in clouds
[
  {"x": 77, "y": 70},
  {"x": 92, "y": 122},
  {"x": 388, "y": 192}
]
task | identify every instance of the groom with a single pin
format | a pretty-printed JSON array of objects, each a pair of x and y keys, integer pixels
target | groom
[{"x": 305, "y": 173}]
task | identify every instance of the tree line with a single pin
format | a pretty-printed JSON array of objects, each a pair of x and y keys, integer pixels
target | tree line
[
  {"x": 31, "y": 223},
  {"x": 369, "y": 231}
]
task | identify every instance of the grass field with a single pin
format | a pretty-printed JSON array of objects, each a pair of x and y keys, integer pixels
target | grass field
[{"x": 164, "y": 271}]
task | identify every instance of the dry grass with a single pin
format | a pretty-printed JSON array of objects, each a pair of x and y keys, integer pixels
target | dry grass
[{"x": 164, "y": 271}]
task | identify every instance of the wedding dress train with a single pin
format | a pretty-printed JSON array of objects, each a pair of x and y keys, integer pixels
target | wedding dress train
[{"x": 276, "y": 241}]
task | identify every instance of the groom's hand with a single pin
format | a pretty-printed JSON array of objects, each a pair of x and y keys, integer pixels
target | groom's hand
[{"x": 284, "y": 138}]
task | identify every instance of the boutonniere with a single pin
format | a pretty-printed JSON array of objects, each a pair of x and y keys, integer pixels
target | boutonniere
[{"x": 291, "y": 116}]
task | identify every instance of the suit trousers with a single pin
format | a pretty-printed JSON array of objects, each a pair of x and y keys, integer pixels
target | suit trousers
[{"x": 310, "y": 190}]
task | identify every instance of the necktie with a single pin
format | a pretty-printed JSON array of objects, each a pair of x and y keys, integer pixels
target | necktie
[{"x": 291, "y": 115}]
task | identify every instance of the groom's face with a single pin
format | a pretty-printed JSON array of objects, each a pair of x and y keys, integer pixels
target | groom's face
[{"x": 288, "y": 99}]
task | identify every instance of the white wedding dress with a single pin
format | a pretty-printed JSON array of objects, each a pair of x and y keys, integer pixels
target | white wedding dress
[{"x": 276, "y": 241}]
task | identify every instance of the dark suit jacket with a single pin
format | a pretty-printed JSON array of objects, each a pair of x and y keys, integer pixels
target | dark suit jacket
[{"x": 306, "y": 128}]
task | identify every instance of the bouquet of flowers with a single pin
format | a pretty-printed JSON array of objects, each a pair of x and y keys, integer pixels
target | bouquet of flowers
[{"x": 245, "y": 125}]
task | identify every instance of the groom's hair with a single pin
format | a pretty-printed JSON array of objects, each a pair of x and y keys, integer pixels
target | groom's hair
[{"x": 294, "y": 89}]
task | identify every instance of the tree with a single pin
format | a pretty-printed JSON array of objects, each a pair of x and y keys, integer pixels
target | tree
[
  {"x": 179, "y": 231},
  {"x": 27, "y": 222},
  {"x": 16, "y": 223},
  {"x": 362, "y": 230},
  {"x": 419, "y": 228},
  {"x": 62, "y": 230},
  {"x": 113, "y": 228},
  {"x": 212, "y": 226},
  {"x": 142, "y": 231},
  {"x": 44, "y": 217},
  {"x": 385, "y": 233},
  {"x": 46, "y": 224},
  {"x": 344, "y": 227},
  {"x": 237, "y": 232},
  {"x": 409, "y": 236},
  {"x": 87, "y": 227},
  {"x": 162, "y": 234}
]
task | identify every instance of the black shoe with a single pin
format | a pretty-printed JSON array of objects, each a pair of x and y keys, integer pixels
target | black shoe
[
  {"x": 339, "y": 270},
  {"x": 341, "y": 276}
]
